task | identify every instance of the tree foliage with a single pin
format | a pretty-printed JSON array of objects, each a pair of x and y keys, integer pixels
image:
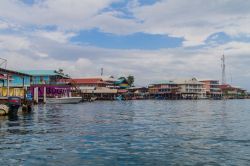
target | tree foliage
[{"x": 130, "y": 80}]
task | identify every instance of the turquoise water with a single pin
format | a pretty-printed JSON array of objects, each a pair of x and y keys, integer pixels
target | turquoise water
[{"x": 129, "y": 133}]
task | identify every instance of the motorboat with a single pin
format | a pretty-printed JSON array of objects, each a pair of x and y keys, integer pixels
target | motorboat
[{"x": 64, "y": 100}]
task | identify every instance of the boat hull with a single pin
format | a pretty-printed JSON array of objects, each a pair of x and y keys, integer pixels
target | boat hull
[{"x": 64, "y": 100}]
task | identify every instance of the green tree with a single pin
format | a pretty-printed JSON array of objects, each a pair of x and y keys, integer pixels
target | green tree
[{"x": 130, "y": 80}]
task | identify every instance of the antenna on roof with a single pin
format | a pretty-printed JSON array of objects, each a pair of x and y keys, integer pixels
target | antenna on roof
[
  {"x": 3, "y": 62},
  {"x": 101, "y": 71},
  {"x": 223, "y": 66},
  {"x": 231, "y": 78}
]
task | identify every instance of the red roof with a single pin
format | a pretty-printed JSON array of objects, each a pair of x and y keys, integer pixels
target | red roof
[
  {"x": 86, "y": 81},
  {"x": 227, "y": 86}
]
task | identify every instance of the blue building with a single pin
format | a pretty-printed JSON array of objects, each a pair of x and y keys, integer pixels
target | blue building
[
  {"x": 26, "y": 78},
  {"x": 49, "y": 77},
  {"x": 13, "y": 78},
  {"x": 13, "y": 83}
]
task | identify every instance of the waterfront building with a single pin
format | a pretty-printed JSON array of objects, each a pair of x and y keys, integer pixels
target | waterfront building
[
  {"x": 138, "y": 90},
  {"x": 94, "y": 87},
  {"x": 49, "y": 83},
  {"x": 86, "y": 83},
  {"x": 13, "y": 83},
  {"x": 102, "y": 87},
  {"x": 231, "y": 92},
  {"x": 48, "y": 77},
  {"x": 212, "y": 88},
  {"x": 191, "y": 88},
  {"x": 164, "y": 90},
  {"x": 133, "y": 93},
  {"x": 101, "y": 81}
]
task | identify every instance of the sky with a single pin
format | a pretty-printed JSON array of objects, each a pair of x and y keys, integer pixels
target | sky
[{"x": 153, "y": 40}]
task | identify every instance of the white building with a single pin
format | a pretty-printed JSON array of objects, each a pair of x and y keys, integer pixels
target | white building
[{"x": 191, "y": 88}]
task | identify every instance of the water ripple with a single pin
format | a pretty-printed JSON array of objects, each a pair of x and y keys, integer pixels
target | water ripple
[{"x": 129, "y": 133}]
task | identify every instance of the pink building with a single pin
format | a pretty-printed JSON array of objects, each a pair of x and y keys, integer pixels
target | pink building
[{"x": 212, "y": 88}]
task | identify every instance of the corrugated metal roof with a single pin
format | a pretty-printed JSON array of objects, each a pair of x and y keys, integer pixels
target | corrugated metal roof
[
  {"x": 40, "y": 72},
  {"x": 188, "y": 81},
  {"x": 163, "y": 82},
  {"x": 43, "y": 73},
  {"x": 87, "y": 81},
  {"x": 6, "y": 71},
  {"x": 100, "y": 90},
  {"x": 104, "y": 78}
]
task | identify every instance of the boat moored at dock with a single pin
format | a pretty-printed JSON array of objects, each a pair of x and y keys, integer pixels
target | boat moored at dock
[{"x": 64, "y": 100}]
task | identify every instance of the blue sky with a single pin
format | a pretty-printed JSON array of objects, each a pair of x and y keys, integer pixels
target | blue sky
[
  {"x": 152, "y": 40},
  {"x": 132, "y": 41}
]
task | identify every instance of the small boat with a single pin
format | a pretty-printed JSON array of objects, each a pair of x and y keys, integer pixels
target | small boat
[
  {"x": 120, "y": 98},
  {"x": 64, "y": 100},
  {"x": 93, "y": 99},
  {"x": 159, "y": 98}
]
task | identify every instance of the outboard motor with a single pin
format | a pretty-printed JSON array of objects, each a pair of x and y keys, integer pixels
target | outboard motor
[{"x": 14, "y": 104}]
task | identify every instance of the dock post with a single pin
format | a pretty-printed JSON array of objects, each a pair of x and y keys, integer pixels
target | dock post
[
  {"x": 36, "y": 95},
  {"x": 8, "y": 86},
  {"x": 44, "y": 94}
]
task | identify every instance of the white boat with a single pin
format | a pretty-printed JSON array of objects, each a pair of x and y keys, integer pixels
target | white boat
[{"x": 64, "y": 100}]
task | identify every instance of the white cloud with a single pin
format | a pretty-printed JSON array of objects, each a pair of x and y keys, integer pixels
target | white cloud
[
  {"x": 42, "y": 55},
  {"x": 11, "y": 42},
  {"x": 58, "y": 36},
  {"x": 63, "y": 13},
  {"x": 193, "y": 20}
]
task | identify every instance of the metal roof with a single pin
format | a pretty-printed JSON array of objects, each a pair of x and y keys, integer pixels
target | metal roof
[
  {"x": 43, "y": 73},
  {"x": 7, "y": 71},
  {"x": 193, "y": 81},
  {"x": 163, "y": 82},
  {"x": 87, "y": 81},
  {"x": 104, "y": 78}
]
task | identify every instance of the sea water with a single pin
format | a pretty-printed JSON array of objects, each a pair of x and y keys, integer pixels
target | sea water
[{"x": 146, "y": 132}]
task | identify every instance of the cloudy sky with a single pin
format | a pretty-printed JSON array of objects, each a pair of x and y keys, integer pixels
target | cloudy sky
[{"x": 153, "y": 40}]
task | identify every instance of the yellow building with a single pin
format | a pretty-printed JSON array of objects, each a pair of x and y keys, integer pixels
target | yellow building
[{"x": 8, "y": 80}]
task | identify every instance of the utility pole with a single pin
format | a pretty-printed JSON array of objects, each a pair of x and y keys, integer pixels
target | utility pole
[
  {"x": 223, "y": 66},
  {"x": 101, "y": 71},
  {"x": 3, "y": 62}
]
